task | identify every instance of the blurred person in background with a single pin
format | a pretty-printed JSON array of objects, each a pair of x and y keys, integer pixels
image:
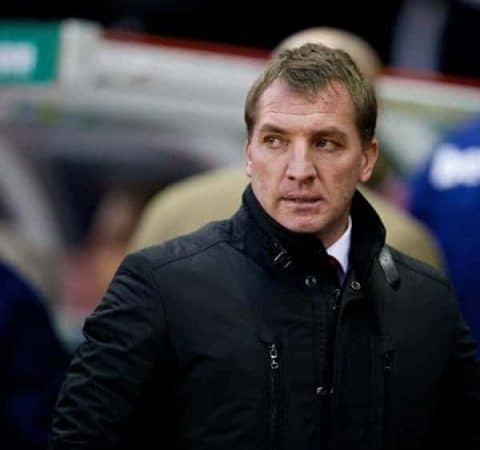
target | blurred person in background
[
  {"x": 290, "y": 325},
  {"x": 33, "y": 362},
  {"x": 37, "y": 265},
  {"x": 89, "y": 268},
  {"x": 188, "y": 204},
  {"x": 445, "y": 195}
]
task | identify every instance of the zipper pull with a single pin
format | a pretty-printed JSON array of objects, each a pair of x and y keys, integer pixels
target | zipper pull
[
  {"x": 387, "y": 362},
  {"x": 336, "y": 299},
  {"x": 273, "y": 352}
]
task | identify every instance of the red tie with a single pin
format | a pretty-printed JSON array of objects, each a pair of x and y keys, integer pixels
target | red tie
[{"x": 334, "y": 268}]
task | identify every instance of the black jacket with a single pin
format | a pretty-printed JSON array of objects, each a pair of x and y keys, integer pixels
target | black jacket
[{"x": 236, "y": 337}]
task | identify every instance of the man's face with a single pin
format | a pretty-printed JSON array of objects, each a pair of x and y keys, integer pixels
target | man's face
[{"x": 305, "y": 159}]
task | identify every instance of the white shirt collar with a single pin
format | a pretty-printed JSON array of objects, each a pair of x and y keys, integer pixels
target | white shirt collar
[{"x": 340, "y": 249}]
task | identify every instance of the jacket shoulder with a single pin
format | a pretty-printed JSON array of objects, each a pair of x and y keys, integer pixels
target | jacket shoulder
[
  {"x": 415, "y": 268},
  {"x": 186, "y": 246}
]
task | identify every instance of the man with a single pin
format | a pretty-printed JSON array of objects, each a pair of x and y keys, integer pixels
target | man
[
  {"x": 247, "y": 335},
  {"x": 216, "y": 194}
]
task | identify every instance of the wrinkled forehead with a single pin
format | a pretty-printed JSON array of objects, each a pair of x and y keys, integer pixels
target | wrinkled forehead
[{"x": 279, "y": 98}]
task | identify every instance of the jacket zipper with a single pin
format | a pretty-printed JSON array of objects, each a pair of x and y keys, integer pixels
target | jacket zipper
[
  {"x": 274, "y": 378},
  {"x": 387, "y": 370},
  {"x": 340, "y": 310}
]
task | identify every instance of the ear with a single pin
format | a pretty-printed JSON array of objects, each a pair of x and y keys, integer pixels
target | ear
[
  {"x": 247, "y": 158},
  {"x": 369, "y": 158}
]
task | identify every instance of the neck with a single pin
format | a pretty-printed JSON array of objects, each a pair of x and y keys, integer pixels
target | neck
[
  {"x": 263, "y": 236},
  {"x": 329, "y": 237},
  {"x": 275, "y": 233}
]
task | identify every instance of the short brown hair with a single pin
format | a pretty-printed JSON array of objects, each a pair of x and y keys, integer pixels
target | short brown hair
[{"x": 310, "y": 68}]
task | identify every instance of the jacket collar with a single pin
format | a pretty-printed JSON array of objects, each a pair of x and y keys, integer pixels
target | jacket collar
[
  {"x": 368, "y": 236},
  {"x": 280, "y": 250}
]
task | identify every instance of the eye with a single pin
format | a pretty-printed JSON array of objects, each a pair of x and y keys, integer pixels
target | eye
[
  {"x": 326, "y": 144},
  {"x": 273, "y": 141}
]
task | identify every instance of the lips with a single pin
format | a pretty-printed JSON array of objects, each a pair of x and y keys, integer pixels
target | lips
[
  {"x": 302, "y": 202},
  {"x": 302, "y": 199}
]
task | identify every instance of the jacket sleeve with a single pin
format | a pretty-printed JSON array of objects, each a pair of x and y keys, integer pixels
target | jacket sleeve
[
  {"x": 124, "y": 339},
  {"x": 460, "y": 395}
]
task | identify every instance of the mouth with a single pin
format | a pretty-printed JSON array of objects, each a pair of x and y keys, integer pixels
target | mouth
[{"x": 302, "y": 200}]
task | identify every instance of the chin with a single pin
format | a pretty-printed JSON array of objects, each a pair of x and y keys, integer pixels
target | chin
[{"x": 301, "y": 227}]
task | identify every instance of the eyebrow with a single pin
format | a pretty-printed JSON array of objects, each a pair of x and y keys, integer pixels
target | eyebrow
[
  {"x": 267, "y": 127},
  {"x": 331, "y": 131},
  {"x": 327, "y": 131}
]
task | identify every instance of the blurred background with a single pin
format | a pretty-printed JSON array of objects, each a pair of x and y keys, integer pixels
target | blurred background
[{"x": 104, "y": 104}]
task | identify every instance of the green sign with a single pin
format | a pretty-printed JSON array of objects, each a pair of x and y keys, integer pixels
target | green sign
[{"x": 28, "y": 52}]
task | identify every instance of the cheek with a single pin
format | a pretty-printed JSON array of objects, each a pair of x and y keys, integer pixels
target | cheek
[
  {"x": 264, "y": 171},
  {"x": 258, "y": 175},
  {"x": 351, "y": 169},
  {"x": 345, "y": 178},
  {"x": 266, "y": 182}
]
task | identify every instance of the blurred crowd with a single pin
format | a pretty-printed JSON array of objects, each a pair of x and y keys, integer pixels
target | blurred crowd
[{"x": 432, "y": 213}]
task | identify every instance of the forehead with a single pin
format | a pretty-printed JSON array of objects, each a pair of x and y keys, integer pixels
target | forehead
[{"x": 331, "y": 105}]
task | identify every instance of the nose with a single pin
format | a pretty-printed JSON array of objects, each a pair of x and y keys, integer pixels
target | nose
[{"x": 300, "y": 166}]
